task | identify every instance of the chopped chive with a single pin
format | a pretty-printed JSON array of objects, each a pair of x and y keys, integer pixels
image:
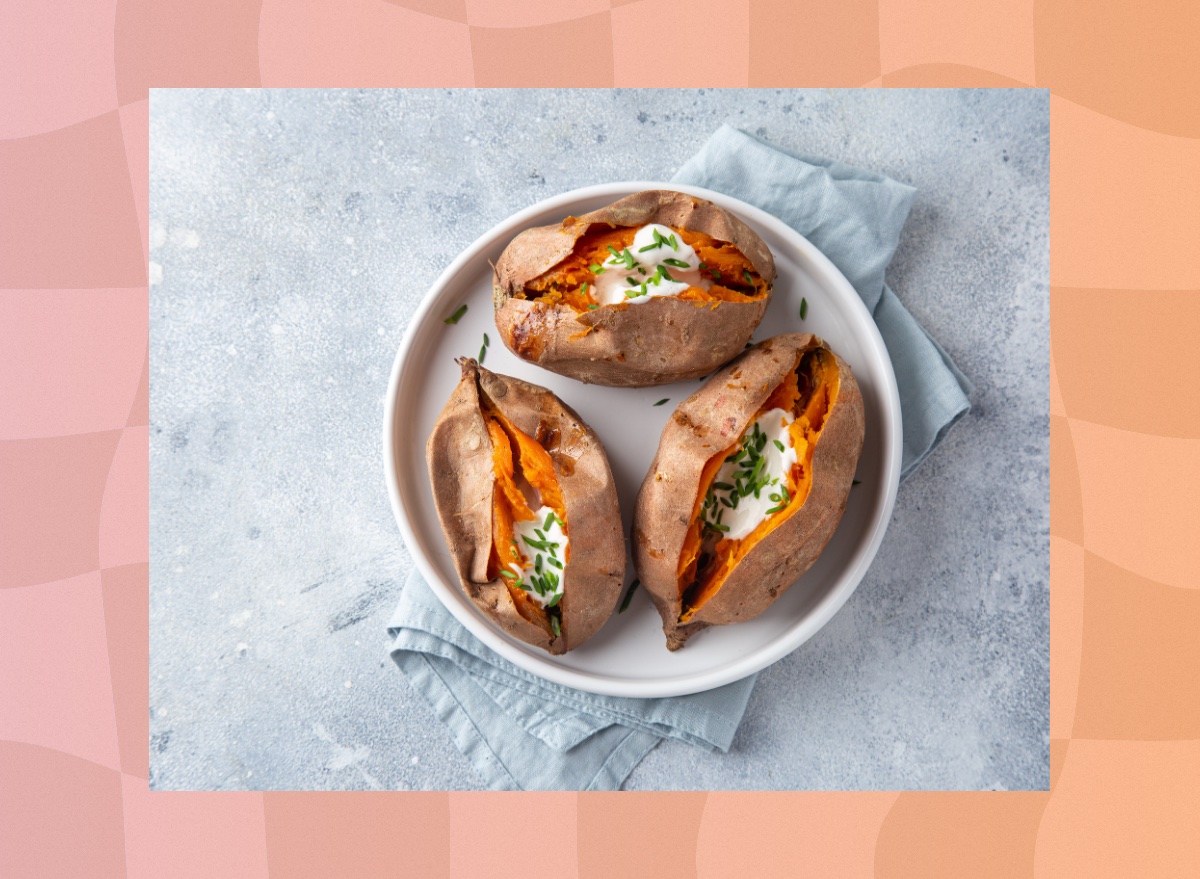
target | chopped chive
[
  {"x": 593, "y": 307},
  {"x": 454, "y": 318},
  {"x": 555, "y": 626},
  {"x": 703, "y": 266},
  {"x": 555, "y": 563},
  {"x": 486, "y": 340},
  {"x": 803, "y": 308},
  {"x": 779, "y": 445},
  {"x": 631, "y": 282},
  {"x": 717, "y": 526},
  {"x": 674, "y": 243},
  {"x": 716, "y": 274},
  {"x": 505, "y": 572},
  {"x": 641, "y": 271},
  {"x": 482, "y": 352},
  {"x": 678, "y": 263},
  {"x": 596, "y": 269},
  {"x": 663, "y": 400},
  {"x": 629, "y": 595},
  {"x": 746, "y": 275},
  {"x": 724, "y": 486},
  {"x": 664, "y": 274},
  {"x": 584, "y": 288},
  {"x": 554, "y": 601},
  {"x": 550, "y": 519},
  {"x": 653, "y": 246}
]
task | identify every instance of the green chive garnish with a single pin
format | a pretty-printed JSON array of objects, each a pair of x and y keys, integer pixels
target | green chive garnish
[
  {"x": 505, "y": 572},
  {"x": 663, "y": 400},
  {"x": 678, "y": 263},
  {"x": 596, "y": 269},
  {"x": 716, "y": 274},
  {"x": 454, "y": 318},
  {"x": 746, "y": 275},
  {"x": 584, "y": 288},
  {"x": 593, "y": 306},
  {"x": 486, "y": 340},
  {"x": 653, "y": 246},
  {"x": 629, "y": 595},
  {"x": 803, "y": 308},
  {"x": 555, "y": 625},
  {"x": 779, "y": 445},
  {"x": 482, "y": 352},
  {"x": 556, "y": 563}
]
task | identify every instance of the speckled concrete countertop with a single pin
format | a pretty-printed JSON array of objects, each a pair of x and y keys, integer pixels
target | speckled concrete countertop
[{"x": 292, "y": 235}]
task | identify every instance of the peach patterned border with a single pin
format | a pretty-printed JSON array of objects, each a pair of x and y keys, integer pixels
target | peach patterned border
[{"x": 1125, "y": 437}]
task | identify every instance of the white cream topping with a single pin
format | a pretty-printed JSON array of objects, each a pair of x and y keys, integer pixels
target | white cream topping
[
  {"x": 658, "y": 263},
  {"x": 752, "y": 483},
  {"x": 543, "y": 546}
]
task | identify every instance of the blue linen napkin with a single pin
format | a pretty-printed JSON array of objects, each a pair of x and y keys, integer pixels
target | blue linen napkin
[{"x": 523, "y": 733}]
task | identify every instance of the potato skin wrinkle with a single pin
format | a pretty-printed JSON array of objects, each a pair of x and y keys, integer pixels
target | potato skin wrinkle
[
  {"x": 462, "y": 458},
  {"x": 667, "y": 339},
  {"x": 706, "y": 426}
]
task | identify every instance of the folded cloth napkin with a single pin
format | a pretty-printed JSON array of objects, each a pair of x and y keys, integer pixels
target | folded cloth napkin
[{"x": 521, "y": 732}]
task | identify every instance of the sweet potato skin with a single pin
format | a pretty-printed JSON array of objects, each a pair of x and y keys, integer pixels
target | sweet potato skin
[
  {"x": 459, "y": 456},
  {"x": 656, "y": 342},
  {"x": 708, "y": 422}
]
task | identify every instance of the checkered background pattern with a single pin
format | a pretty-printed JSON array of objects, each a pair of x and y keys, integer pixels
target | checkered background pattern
[{"x": 1125, "y": 435}]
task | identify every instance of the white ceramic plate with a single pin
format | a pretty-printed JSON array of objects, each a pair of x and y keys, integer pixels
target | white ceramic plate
[{"x": 628, "y": 656}]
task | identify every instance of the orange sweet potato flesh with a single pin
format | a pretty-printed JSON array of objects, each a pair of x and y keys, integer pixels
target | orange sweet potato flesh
[
  {"x": 724, "y": 266},
  {"x": 509, "y": 504},
  {"x": 809, "y": 393}
]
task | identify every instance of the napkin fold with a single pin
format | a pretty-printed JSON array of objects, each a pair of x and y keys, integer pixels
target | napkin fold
[{"x": 521, "y": 732}]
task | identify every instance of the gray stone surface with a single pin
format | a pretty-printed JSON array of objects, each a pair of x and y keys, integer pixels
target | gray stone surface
[{"x": 292, "y": 235}]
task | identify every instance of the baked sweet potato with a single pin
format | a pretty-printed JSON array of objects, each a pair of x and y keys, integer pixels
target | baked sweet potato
[
  {"x": 657, "y": 287},
  {"x": 527, "y": 503},
  {"x": 750, "y": 480}
]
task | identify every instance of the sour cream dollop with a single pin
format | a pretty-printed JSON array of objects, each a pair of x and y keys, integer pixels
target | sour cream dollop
[
  {"x": 658, "y": 263},
  {"x": 543, "y": 546},
  {"x": 752, "y": 483}
]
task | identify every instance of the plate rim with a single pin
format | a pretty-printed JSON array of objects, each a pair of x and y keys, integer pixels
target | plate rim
[{"x": 694, "y": 682}]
